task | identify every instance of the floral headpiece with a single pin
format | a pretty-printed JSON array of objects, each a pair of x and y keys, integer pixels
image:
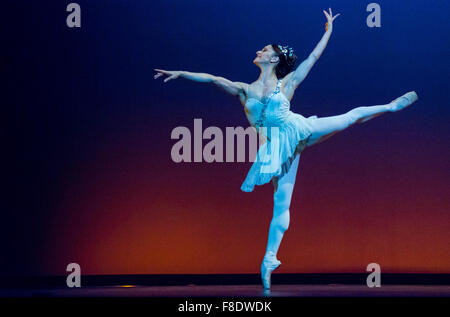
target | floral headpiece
[{"x": 286, "y": 50}]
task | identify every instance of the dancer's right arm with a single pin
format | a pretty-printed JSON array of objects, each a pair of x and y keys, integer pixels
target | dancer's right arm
[{"x": 234, "y": 88}]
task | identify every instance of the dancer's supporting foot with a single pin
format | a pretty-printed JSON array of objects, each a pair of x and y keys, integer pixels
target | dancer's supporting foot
[
  {"x": 269, "y": 264},
  {"x": 403, "y": 101}
]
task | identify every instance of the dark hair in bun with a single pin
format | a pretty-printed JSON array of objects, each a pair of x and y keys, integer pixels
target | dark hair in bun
[{"x": 286, "y": 64}]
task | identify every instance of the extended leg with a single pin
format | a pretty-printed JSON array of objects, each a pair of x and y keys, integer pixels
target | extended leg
[{"x": 323, "y": 128}]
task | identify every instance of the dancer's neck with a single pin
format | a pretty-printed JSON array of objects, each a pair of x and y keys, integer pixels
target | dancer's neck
[{"x": 267, "y": 75}]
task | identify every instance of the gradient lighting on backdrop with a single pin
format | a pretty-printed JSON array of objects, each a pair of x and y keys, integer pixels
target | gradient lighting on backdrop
[{"x": 100, "y": 187}]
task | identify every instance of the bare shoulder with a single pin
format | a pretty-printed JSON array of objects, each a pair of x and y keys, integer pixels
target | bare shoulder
[
  {"x": 287, "y": 80},
  {"x": 287, "y": 87},
  {"x": 252, "y": 89},
  {"x": 244, "y": 91},
  {"x": 243, "y": 85}
]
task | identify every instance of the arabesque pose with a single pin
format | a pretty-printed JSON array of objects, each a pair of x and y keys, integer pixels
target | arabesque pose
[{"x": 266, "y": 103}]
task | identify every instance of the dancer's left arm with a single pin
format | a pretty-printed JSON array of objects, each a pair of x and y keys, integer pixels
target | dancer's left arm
[{"x": 293, "y": 79}]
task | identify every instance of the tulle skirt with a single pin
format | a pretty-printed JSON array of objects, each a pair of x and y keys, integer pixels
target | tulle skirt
[{"x": 275, "y": 156}]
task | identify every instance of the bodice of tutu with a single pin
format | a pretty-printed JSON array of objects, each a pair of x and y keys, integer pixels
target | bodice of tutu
[{"x": 273, "y": 112}]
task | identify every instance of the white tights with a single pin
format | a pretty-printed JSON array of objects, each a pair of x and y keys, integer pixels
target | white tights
[{"x": 322, "y": 129}]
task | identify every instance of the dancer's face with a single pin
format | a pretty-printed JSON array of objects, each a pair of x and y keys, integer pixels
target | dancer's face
[{"x": 266, "y": 56}]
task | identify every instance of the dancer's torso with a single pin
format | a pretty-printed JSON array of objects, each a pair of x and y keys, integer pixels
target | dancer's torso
[{"x": 272, "y": 110}]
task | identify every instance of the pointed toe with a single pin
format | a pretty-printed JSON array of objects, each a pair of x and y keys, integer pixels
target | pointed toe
[{"x": 267, "y": 267}]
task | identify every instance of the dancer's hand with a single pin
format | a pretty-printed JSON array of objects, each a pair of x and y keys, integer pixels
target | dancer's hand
[
  {"x": 172, "y": 74},
  {"x": 330, "y": 19}
]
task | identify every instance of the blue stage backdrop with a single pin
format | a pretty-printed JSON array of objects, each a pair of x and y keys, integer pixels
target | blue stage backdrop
[{"x": 93, "y": 181}]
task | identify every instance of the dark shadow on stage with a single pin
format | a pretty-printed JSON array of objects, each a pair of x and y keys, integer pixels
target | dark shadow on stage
[{"x": 228, "y": 285}]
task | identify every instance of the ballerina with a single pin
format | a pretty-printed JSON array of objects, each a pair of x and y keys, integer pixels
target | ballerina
[{"x": 295, "y": 132}]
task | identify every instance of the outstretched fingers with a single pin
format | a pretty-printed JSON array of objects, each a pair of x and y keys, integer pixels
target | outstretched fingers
[
  {"x": 329, "y": 15},
  {"x": 160, "y": 73}
]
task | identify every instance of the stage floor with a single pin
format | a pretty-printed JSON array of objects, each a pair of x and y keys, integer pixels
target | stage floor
[{"x": 331, "y": 290}]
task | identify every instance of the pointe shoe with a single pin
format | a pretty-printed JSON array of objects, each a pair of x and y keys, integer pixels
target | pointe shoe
[
  {"x": 269, "y": 264},
  {"x": 403, "y": 101}
]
